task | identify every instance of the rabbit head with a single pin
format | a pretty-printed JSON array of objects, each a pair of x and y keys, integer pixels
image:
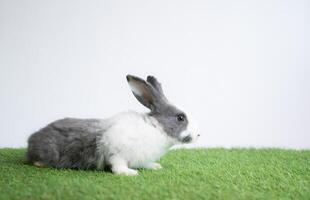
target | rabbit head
[{"x": 175, "y": 122}]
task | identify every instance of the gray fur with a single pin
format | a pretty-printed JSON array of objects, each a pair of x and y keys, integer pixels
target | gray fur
[
  {"x": 66, "y": 143},
  {"x": 167, "y": 117},
  {"x": 153, "y": 81}
]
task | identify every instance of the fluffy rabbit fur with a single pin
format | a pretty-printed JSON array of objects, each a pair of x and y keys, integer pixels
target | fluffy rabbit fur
[{"x": 124, "y": 143}]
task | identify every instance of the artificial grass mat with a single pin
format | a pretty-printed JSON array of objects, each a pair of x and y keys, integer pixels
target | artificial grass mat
[{"x": 186, "y": 174}]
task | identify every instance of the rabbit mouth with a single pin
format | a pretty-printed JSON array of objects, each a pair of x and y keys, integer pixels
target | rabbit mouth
[{"x": 187, "y": 139}]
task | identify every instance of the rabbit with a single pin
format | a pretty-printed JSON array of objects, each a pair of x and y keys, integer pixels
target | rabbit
[{"x": 123, "y": 143}]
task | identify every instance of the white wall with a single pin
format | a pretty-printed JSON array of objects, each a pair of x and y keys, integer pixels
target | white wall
[{"x": 241, "y": 67}]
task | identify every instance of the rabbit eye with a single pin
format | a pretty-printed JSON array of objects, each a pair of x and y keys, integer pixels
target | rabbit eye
[{"x": 180, "y": 117}]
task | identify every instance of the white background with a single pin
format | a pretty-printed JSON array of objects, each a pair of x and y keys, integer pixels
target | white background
[{"x": 240, "y": 67}]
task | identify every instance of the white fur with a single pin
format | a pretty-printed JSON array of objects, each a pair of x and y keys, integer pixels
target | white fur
[
  {"x": 192, "y": 129},
  {"x": 132, "y": 141}
]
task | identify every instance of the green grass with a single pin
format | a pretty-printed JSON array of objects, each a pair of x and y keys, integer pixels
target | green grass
[{"x": 186, "y": 174}]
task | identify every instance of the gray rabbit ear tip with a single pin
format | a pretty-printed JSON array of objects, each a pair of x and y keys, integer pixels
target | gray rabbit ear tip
[
  {"x": 150, "y": 77},
  {"x": 129, "y": 77}
]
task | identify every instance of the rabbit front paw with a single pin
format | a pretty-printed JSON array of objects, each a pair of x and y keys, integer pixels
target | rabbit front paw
[
  {"x": 154, "y": 166},
  {"x": 124, "y": 170}
]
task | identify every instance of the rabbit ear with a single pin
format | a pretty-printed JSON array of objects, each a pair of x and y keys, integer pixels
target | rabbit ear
[
  {"x": 153, "y": 81},
  {"x": 142, "y": 91}
]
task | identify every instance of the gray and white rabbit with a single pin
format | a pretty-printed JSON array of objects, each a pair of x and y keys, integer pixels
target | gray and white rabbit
[{"x": 125, "y": 142}]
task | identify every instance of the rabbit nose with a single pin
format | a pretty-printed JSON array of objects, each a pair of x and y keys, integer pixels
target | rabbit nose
[
  {"x": 198, "y": 135},
  {"x": 187, "y": 139}
]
